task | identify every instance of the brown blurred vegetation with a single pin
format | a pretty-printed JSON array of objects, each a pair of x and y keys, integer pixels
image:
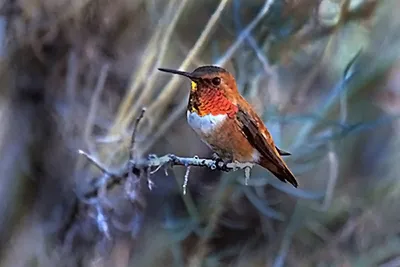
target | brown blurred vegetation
[{"x": 75, "y": 75}]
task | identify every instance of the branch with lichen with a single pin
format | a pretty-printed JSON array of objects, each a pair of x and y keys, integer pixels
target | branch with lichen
[{"x": 166, "y": 161}]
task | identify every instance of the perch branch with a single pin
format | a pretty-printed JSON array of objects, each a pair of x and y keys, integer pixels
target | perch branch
[{"x": 157, "y": 162}]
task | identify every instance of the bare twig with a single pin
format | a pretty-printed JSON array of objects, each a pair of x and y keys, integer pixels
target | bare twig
[
  {"x": 95, "y": 163},
  {"x": 247, "y": 171},
  {"x": 133, "y": 136},
  {"x": 186, "y": 180}
]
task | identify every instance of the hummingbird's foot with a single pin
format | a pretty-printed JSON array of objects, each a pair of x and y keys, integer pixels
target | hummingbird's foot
[
  {"x": 220, "y": 163},
  {"x": 215, "y": 157}
]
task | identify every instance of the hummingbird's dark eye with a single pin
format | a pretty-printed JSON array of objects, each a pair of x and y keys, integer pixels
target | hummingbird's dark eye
[{"x": 216, "y": 81}]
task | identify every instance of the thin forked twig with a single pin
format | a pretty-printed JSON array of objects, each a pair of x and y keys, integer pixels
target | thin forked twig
[
  {"x": 134, "y": 131},
  {"x": 92, "y": 160}
]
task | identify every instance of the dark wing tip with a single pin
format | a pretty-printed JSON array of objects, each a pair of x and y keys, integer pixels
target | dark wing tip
[
  {"x": 280, "y": 171},
  {"x": 283, "y": 152},
  {"x": 291, "y": 179},
  {"x": 294, "y": 182},
  {"x": 287, "y": 176}
]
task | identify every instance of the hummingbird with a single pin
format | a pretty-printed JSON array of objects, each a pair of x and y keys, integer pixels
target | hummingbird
[{"x": 228, "y": 124}]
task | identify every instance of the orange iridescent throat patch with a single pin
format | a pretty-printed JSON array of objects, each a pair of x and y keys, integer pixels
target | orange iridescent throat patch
[{"x": 213, "y": 102}]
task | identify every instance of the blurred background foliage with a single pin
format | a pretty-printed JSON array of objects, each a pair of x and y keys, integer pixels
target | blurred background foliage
[{"x": 324, "y": 74}]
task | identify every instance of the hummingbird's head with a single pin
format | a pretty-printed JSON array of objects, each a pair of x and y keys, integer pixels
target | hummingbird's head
[{"x": 208, "y": 77}]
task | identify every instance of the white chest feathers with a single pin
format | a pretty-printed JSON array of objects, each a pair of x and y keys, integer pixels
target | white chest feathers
[{"x": 204, "y": 125}]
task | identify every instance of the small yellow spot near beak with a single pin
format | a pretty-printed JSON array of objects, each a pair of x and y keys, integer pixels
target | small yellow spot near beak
[{"x": 194, "y": 86}]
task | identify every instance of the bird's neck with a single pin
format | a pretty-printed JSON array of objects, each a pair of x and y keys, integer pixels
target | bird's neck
[{"x": 207, "y": 101}]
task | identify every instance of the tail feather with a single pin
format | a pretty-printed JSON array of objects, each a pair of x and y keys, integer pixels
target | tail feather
[{"x": 281, "y": 171}]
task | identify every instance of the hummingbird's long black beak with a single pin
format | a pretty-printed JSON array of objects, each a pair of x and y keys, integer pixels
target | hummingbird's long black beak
[{"x": 183, "y": 73}]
